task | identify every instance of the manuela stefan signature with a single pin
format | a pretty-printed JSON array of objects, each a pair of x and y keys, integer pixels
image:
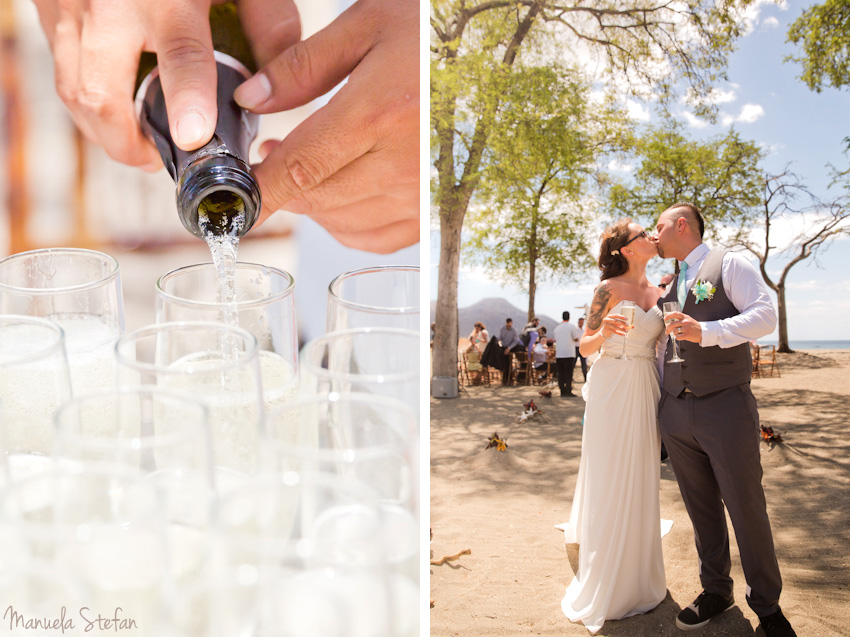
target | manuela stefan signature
[{"x": 63, "y": 622}]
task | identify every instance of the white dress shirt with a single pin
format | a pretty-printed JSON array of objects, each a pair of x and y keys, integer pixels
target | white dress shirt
[
  {"x": 749, "y": 294},
  {"x": 567, "y": 337}
]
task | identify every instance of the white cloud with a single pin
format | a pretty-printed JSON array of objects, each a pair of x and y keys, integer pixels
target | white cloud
[
  {"x": 637, "y": 111},
  {"x": 749, "y": 17},
  {"x": 770, "y": 23},
  {"x": 694, "y": 121},
  {"x": 618, "y": 166},
  {"x": 803, "y": 285},
  {"x": 749, "y": 113},
  {"x": 714, "y": 96}
]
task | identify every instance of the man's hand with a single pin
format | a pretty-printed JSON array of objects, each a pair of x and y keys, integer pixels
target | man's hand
[
  {"x": 353, "y": 166},
  {"x": 96, "y": 48},
  {"x": 683, "y": 327}
]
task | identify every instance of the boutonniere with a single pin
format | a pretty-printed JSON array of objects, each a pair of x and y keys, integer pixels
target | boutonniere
[{"x": 703, "y": 290}]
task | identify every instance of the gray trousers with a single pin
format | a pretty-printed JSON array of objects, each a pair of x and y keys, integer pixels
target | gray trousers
[{"x": 713, "y": 442}]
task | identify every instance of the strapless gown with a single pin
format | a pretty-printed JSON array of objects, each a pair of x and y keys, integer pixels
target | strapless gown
[{"x": 615, "y": 516}]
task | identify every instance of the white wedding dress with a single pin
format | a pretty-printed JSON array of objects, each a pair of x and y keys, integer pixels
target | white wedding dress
[{"x": 615, "y": 516}]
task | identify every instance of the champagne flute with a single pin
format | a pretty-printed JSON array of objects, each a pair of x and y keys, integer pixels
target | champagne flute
[
  {"x": 669, "y": 308},
  {"x": 162, "y": 436},
  {"x": 314, "y": 546},
  {"x": 384, "y": 296},
  {"x": 382, "y": 361},
  {"x": 34, "y": 382},
  {"x": 261, "y": 301},
  {"x": 218, "y": 365},
  {"x": 100, "y": 526},
  {"x": 627, "y": 309},
  {"x": 80, "y": 290},
  {"x": 367, "y": 439}
]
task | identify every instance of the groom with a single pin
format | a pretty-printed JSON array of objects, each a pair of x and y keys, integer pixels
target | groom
[{"x": 709, "y": 419}]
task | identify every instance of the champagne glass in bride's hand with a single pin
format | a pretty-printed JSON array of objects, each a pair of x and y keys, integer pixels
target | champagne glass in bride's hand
[
  {"x": 669, "y": 308},
  {"x": 627, "y": 309}
]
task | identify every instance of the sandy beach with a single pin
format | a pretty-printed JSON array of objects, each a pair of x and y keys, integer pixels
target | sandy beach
[{"x": 503, "y": 507}]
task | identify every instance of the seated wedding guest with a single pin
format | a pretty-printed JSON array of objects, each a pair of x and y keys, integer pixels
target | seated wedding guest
[
  {"x": 539, "y": 355},
  {"x": 509, "y": 339},
  {"x": 535, "y": 334},
  {"x": 479, "y": 336},
  {"x": 525, "y": 334},
  {"x": 473, "y": 364}
]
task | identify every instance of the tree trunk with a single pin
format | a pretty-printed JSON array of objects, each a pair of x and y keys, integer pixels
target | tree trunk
[
  {"x": 446, "y": 328},
  {"x": 782, "y": 319},
  {"x": 453, "y": 200},
  {"x": 532, "y": 260}
]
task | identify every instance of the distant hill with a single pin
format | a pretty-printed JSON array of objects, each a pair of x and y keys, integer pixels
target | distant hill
[{"x": 493, "y": 312}]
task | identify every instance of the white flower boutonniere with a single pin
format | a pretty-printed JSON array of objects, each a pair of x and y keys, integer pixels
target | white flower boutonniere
[{"x": 703, "y": 290}]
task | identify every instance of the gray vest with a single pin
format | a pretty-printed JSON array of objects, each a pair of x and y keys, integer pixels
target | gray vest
[{"x": 706, "y": 369}]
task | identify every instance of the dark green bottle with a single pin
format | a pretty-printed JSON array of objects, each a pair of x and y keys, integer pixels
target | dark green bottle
[{"x": 217, "y": 192}]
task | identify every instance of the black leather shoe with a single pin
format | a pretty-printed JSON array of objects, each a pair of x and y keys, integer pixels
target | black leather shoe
[
  {"x": 776, "y": 625},
  {"x": 702, "y": 610}
]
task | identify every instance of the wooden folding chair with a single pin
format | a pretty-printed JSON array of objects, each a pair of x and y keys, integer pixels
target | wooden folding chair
[
  {"x": 521, "y": 368},
  {"x": 475, "y": 372},
  {"x": 767, "y": 362},
  {"x": 755, "y": 350}
]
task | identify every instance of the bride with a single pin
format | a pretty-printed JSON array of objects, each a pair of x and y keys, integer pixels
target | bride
[{"x": 615, "y": 515}]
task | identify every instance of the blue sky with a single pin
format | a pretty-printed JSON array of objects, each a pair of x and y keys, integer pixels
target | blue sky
[{"x": 765, "y": 102}]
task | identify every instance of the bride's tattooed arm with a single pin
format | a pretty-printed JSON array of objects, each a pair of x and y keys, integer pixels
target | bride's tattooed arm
[
  {"x": 594, "y": 337},
  {"x": 598, "y": 306}
]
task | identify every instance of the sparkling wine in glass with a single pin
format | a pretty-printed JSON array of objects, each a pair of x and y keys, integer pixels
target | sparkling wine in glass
[
  {"x": 261, "y": 300},
  {"x": 190, "y": 356},
  {"x": 627, "y": 309},
  {"x": 34, "y": 382},
  {"x": 79, "y": 290},
  {"x": 669, "y": 308}
]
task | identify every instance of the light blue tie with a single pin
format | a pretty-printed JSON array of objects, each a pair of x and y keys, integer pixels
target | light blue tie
[{"x": 682, "y": 287}]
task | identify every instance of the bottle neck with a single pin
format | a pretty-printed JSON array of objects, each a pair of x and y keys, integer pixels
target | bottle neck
[
  {"x": 218, "y": 193},
  {"x": 216, "y": 175}
]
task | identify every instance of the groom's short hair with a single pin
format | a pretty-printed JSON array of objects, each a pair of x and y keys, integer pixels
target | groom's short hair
[
  {"x": 565, "y": 315},
  {"x": 693, "y": 214}
]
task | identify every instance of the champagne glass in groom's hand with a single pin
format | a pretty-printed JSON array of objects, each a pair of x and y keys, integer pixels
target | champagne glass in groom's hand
[{"x": 669, "y": 308}]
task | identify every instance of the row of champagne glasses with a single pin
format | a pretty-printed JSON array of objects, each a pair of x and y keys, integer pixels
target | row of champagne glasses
[{"x": 208, "y": 435}]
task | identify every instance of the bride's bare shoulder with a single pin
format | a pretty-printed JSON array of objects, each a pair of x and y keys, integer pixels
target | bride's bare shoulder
[{"x": 611, "y": 288}]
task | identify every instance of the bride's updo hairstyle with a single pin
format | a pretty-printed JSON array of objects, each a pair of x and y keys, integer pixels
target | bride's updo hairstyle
[{"x": 614, "y": 238}]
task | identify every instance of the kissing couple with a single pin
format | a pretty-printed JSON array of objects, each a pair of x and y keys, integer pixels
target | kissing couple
[{"x": 704, "y": 411}]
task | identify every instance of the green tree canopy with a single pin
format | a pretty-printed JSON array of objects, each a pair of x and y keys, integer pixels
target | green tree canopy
[
  {"x": 823, "y": 32},
  {"x": 721, "y": 176},
  {"x": 531, "y": 223}
]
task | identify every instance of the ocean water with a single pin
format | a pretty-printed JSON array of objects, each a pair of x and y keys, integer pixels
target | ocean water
[{"x": 795, "y": 345}]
